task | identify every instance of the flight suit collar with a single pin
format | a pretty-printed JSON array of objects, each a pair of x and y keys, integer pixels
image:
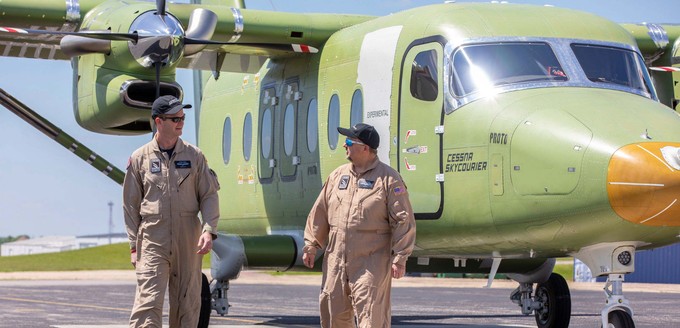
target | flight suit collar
[
  {"x": 375, "y": 163},
  {"x": 179, "y": 146}
]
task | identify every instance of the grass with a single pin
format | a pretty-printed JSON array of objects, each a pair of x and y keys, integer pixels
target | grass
[
  {"x": 117, "y": 257},
  {"x": 108, "y": 257},
  {"x": 565, "y": 268}
]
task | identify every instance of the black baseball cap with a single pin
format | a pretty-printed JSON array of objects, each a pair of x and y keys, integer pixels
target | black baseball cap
[
  {"x": 167, "y": 105},
  {"x": 364, "y": 132}
]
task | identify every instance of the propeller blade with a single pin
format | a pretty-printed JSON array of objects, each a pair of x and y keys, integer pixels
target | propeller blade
[
  {"x": 160, "y": 7},
  {"x": 202, "y": 24},
  {"x": 158, "y": 65},
  {"x": 102, "y": 35},
  {"x": 299, "y": 48},
  {"x": 73, "y": 45}
]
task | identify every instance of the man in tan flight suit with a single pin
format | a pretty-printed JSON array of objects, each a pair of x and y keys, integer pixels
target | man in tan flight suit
[
  {"x": 364, "y": 219},
  {"x": 167, "y": 183}
]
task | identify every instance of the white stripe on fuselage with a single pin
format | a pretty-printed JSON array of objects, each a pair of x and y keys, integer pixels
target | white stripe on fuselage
[{"x": 374, "y": 74}]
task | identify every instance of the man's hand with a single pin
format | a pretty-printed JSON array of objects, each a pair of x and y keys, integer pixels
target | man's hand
[
  {"x": 398, "y": 270},
  {"x": 308, "y": 259},
  {"x": 133, "y": 259},
  {"x": 204, "y": 243}
]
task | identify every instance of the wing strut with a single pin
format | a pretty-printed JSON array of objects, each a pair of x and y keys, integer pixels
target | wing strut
[{"x": 61, "y": 137}]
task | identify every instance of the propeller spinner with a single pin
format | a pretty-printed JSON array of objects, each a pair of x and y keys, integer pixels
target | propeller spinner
[{"x": 161, "y": 39}]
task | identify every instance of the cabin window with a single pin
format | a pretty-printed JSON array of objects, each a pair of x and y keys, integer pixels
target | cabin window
[
  {"x": 612, "y": 66},
  {"x": 266, "y": 133},
  {"x": 333, "y": 121},
  {"x": 482, "y": 67},
  {"x": 357, "y": 110},
  {"x": 312, "y": 126},
  {"x": 289, "y": 129},
  {"x": 424, "y": 85},
  {"x": 247, "y": 136},
  {"x": 226, "y": 140}
]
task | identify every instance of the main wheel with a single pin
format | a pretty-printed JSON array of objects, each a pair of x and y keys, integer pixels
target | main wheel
[
  {"x": 620, "y": 319},
  {"x": 555, "y": 300},
  {"x": 204, "y": 318}
]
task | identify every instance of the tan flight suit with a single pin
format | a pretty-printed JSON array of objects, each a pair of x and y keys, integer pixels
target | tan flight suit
[
  {"x": 161, "y": 200},
  {"x": 366, "y": 223}
]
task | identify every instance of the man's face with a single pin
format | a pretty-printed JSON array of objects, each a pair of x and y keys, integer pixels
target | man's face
[
  {"x": 354, "y": 149},
  {"x": 167, "y": 127}
]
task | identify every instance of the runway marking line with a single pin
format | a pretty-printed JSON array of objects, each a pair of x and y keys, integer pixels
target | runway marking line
[{"x": 108, "y": 308}]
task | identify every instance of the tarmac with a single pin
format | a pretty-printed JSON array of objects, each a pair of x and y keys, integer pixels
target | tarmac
[{"x": 104, "y": 298}]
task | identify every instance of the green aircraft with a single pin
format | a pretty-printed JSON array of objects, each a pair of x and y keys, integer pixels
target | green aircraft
[{"x": 521, "y": 139}]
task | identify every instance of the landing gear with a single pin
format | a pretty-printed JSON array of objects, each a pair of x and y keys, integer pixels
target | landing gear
[
  {"x": 551, "y": 304},
  {"x": 554, "y": 302},
  {"x": 204, "y": 318},
  {"x": 613, "y": 260},
  {"x": 620, "y": 319},
  {"x": 219, "y": 289},
  {"x": 617, "y": 313}
]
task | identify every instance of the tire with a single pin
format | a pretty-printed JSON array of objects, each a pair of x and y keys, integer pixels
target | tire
[
  {"x": 620, "y": 319},
  {"x": 556, "y": 300},
  {"x": 206, "y": 306}
]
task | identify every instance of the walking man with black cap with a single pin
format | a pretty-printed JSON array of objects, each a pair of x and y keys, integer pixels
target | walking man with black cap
[
  {"x": 363, "y": 219},
  {"x": 167, "y": 183}
]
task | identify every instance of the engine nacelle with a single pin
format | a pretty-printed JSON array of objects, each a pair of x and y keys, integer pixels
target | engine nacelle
[
  {"x": 114, "y": 102},
  {"x": 113, "y": 91}
]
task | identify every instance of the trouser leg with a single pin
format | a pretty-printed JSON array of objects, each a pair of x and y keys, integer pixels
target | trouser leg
[
  {"x": 335, "y": 304},
  {"x": 152, "y": 280},
  {"x": 372, "y": 305},
  {"x": 185, "y": 292}
]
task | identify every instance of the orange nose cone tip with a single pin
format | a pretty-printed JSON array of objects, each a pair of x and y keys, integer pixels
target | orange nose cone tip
[{"x": 643, "y": 183}]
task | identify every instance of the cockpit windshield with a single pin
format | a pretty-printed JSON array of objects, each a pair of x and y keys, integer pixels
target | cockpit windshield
[
  {"x": 485, "y": 68},
  {"x": 604, "y": 64},
  {"x": 480, "y": 67}
]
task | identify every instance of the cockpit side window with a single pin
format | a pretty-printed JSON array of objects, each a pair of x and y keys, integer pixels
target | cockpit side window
[
  {"x": 603, "y": 64},
  {"x": 424, "y": 84},
  {"x": 480, "y": 67}
]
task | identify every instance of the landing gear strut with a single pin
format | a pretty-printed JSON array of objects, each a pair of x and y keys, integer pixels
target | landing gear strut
[{"x": 617, "y": 313}]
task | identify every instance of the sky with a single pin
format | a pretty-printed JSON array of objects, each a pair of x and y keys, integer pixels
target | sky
[{"x": 45, "y": 190}]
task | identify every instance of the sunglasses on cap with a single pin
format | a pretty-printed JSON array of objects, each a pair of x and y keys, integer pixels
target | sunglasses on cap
[
  {"x": 349, "y": 142},
  {"x": 174, "y": 119}
]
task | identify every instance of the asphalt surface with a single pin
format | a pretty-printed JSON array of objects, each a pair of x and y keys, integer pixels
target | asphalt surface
[{"x": 258, "y": 299}]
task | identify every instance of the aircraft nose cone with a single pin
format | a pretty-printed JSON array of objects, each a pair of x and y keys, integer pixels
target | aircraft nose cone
[{"x": 643, "y": 183}]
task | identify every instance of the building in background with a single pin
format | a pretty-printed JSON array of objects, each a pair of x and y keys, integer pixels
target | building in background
[{"x": 54, "y": 244}]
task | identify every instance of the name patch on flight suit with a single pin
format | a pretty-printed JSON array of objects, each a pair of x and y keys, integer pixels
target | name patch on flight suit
[
  {"x": 344, "y": 182},
  {"x": 155, "y": 165},
  {"x": 365, "y": 184},
  {"x": 183, "y": 164}
]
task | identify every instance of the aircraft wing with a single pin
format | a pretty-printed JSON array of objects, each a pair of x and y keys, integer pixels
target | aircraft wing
[
  {"x": 655, "y": 40},
  {"x": 256, "y": 35},
  {"x": 239, "y": 34},
  {"x": 660, "y": 46}
]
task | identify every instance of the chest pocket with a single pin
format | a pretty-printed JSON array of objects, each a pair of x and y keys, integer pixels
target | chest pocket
[
  {"x": 184, "y": 177},
  {"x": 372, "y": 207},
  {"x": 153, "y": 181}
]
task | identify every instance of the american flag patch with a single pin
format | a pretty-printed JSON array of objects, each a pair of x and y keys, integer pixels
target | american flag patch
[{"x": 399, "y": 190}]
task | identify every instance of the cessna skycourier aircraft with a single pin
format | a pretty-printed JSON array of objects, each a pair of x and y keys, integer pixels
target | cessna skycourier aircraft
[{"x": 524, "y": 133}]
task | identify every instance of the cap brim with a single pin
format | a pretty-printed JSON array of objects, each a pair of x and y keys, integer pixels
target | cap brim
[
  {"x": 346, "y": 132},
  {"x": 176, "y": 109}
]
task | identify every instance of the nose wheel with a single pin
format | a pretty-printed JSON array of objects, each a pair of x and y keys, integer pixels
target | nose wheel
[{"x": 620, "y": 319}]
